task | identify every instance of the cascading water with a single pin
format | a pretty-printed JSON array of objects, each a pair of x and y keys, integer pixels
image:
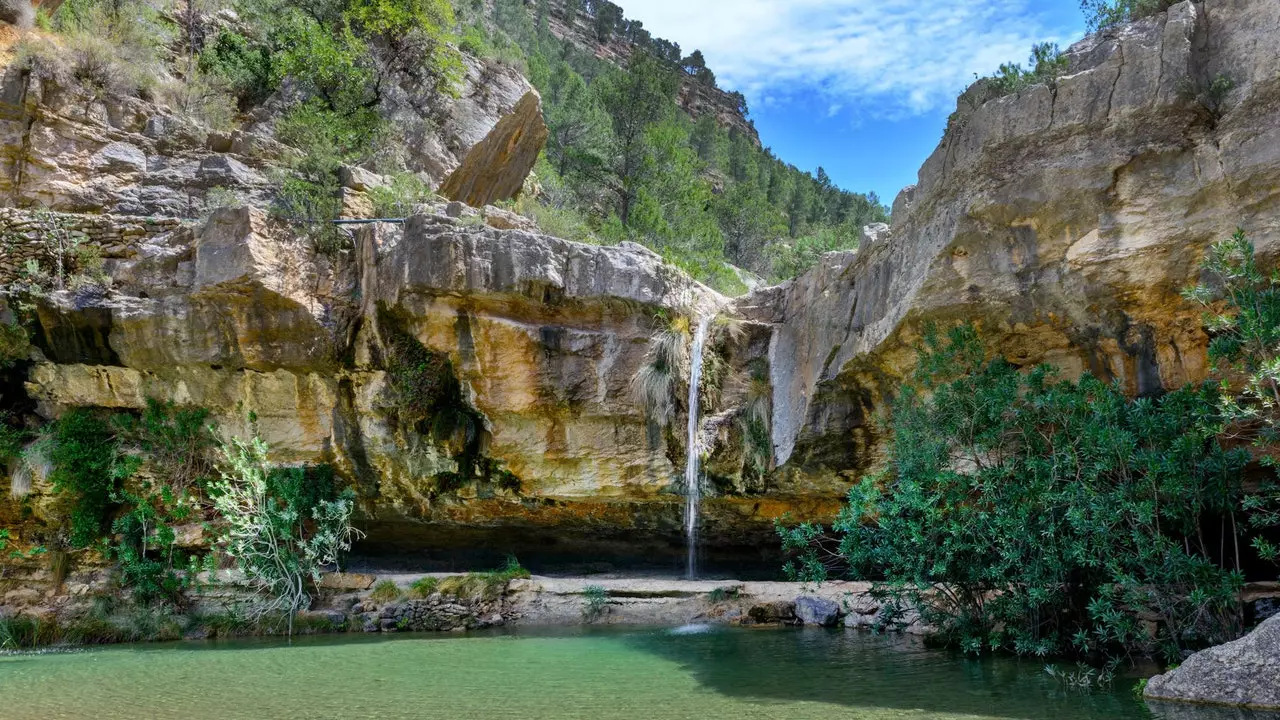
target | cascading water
[{"x": 692, "y": 480}]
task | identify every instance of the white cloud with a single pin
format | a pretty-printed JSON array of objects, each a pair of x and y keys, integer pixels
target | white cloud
[{"x": 882, "y": 58}]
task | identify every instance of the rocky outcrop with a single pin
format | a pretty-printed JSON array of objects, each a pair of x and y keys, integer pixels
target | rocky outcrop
[
  {"x": 1243, "y": 673},
  {"x": 1063, "y": 220},
  {"x": 77, "y": 150},
  {"x": 540, "y": 336},
  {"x": 575, "y": 23},
  {"x": 496, "y": 168}
]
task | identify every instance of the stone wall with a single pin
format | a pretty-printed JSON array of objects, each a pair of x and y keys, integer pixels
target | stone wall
[{"x": 23, "y": 235}]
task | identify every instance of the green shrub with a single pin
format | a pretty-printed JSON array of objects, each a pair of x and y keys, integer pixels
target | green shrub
[
  {"x": 15, "y": 344},
  {"x": 1047, "y": 65},
  {"x": 249, "y": 69},
  {"x": 386, "y": 591},
  {"x": 595, "y": 602},
  {"x": 399, "y": 196},
  {"x": 87, "y": 472},
  {"x": 1026, "y": 513},
  {"x": 423, "y": 588},
  {"x": 1242, "y": 316},
  {"x": 1104, "y": 13},
  {"x": 281, "y": 548},
  {"x": 177, "y": 441},
  {"x": 475, "y": 41}
]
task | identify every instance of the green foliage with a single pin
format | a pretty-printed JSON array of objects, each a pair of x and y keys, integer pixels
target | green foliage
[
  {"x": 657, "y": 385},
  {"x": 1242, "y": 316},
  {"x": 280, "y": 545},
  {"x": 250, "y": 69},
  {"x": 1025, "y": 513},
  {"x": 1047, "y": 65},
  {"x": 1104, "y": 13},
  {"x": 177, "y": 441},
  {"x": 87, "y": 473},
  {"x": 482, "y": 586},
  {"x": 721, "y": 594},
  {"x": 595, "y": 602},
  {"x": 15, "y": 344},
  {"x": 788, "y": 260},
  {"x": 386, "y": 591},
  {"x": 424, "y": 587},
  {"x": 399, "y": 196}
]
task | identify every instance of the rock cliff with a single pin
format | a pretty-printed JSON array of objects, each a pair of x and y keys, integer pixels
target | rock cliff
[
  {"x": 474, "y": 383},
  {"x": 1063, "y": 219}
]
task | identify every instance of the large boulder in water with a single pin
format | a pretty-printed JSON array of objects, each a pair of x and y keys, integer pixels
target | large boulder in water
[
  {"x": 813, "y": 610},
  {"x": 1245, "y": 672},
  {"x": 495, "y": 169}
]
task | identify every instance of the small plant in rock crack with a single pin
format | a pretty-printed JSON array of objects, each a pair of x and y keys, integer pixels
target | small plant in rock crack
[
  {"x": 721, "y": 594},
  {"x": 595, "y": 602}
]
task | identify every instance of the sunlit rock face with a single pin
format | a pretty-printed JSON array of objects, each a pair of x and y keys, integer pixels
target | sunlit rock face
[
  {"x": 475, "y": 384},
  {"x": 1063, "y": 220}
]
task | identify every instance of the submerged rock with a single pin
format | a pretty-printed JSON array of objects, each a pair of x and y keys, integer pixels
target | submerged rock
[{"x": 1244, "y": 673}]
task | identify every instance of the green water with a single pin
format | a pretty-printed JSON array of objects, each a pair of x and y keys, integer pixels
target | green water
[{"x": 655, "y": 674}]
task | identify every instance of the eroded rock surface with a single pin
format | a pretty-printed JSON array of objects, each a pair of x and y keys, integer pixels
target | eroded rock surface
[
  {"x": 1245, "y": 673},
  {"x": 496, "y": 168},
  {"x": 1064, "y": 220}
]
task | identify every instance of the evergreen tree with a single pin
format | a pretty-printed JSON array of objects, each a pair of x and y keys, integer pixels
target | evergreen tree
[
  {"x": 636, "y": 99},
  {"x": 579, "y": 128}
]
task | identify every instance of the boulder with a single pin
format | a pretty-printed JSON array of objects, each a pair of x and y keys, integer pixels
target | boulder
[
  {"x": 813, "y": 610},
  {"x": 495, "y": 168},
  {"x": 496, "y": 217},
  {"x": 1244, "y": 673},
  {"x": 224, "y": 170}
]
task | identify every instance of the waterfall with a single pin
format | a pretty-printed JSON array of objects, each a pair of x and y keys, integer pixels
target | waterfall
[{"x": 692, "y": 481}]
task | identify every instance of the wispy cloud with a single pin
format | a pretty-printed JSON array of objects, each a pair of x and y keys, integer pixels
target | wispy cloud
[{"x": 879, "y": 58}]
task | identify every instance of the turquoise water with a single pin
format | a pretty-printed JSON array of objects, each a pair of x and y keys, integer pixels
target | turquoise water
[{"x": 736, "y": 673}]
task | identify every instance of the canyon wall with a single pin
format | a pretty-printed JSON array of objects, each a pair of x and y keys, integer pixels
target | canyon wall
[
  {"x": 475, "y": 384},
  {"x": 1064, "y": 220}
]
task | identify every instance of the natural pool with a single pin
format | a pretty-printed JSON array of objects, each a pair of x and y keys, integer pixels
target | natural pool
[{"x": 584, "y": 673}]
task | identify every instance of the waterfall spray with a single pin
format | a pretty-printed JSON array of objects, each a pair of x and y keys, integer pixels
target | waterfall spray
[{"x": 692, "y": 480}]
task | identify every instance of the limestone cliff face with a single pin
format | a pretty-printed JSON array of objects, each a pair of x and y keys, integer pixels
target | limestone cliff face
[
  {"x": 573, "y": 22},
  {"x": 474, "y": 383},
  {"x": 67, "y": 150},
  {"x": 1064, "y": 220}
]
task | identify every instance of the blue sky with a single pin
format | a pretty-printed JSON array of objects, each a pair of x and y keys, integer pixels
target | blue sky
[{"x": 860, "y": 87}]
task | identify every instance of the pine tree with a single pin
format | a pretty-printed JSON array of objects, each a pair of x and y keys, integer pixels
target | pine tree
[{"x": 636, "y": 99}]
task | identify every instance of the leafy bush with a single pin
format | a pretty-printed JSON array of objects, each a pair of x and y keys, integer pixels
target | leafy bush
[
  {"x": 249, "y": 68},
  {"x": 1047, "y": 65},
  {"x": 1042, "y": 516},
  {"x": 399, "y": 196},
  {"x": 1104, "y": 13},
  {"x": 279, "y": 546},
  {"x": 1243, "y": 319},
  {"x": 177, "y": 441},
  {"x": 595, "y": 602},
  {"x": 15, "y": 344},
  {"x": 87, "y": 472}
]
